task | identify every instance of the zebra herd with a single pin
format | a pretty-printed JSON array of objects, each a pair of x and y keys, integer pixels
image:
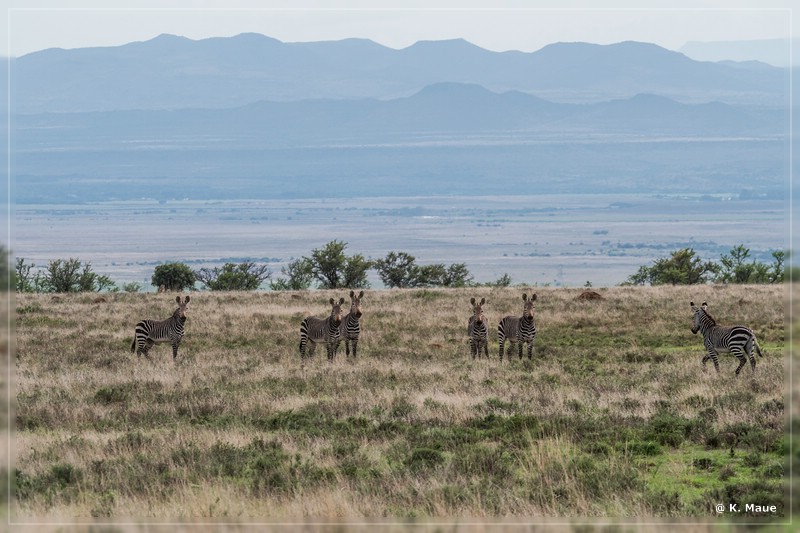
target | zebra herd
[{"x": 335, "y": 328}]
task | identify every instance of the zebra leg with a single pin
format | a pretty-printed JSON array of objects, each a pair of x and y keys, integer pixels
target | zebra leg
[
  {"x": 355, "y": 344},
  {"x": 741, "y": 357},
  {"x": 472, "y": 348},
  {"x": 749, "y": 348},
  {"x": 148, "y": 343},
  {"x": 331, "y": 350},
  {"x": 519, "y": 347},
  {"x": 175, "y": 345},
  {"x": 486, "y": 348},
  {"x": 714, "y": 359},
  {"x": 347, "y": 347},
  {"x": 501, "y": 343},
  {"x": 530, "y": 349}
]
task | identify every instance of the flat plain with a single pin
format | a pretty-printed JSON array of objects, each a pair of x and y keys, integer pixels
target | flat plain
[
  {"x": 613, "y": 417},
  {"x": 558, "y": 240}
]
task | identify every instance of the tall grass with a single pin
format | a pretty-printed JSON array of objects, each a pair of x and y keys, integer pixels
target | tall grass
[{"x": 613, "y": 417}]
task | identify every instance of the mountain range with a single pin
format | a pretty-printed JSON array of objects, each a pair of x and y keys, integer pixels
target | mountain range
[
  {"x": 252, "y": 117},
  {"x": 171, "y": 72}
]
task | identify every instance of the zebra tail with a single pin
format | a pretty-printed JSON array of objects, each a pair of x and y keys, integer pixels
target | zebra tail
[
  {"x": 758, "y": 348},
  {"x": 133, "y": 344}
]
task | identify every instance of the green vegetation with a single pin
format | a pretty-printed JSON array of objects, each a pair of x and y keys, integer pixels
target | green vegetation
[
  {"x": 684, "y": 267},
  {"x": 613, "y": 417},
  {"x": 247, "y": 276},
  {"x": 60, "y": 275},
  {"x": 173, "y": 277},
  {"x": 400, "y": 270}
]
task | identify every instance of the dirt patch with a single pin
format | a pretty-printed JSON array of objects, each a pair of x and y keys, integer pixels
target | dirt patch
[{"x": 590, "y": 295}]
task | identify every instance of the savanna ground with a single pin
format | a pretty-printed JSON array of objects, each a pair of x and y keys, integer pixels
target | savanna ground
[{"x": 614, "y": 416}]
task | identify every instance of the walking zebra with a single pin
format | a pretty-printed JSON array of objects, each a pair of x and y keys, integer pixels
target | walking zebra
[
  {"x": 149, "y": 332},
  {"x": 738, "y": 340},
  {"x": 518, "y": 329},
  {"x": 317, "y": 330},
  {"x": 477, "y": 330},
  {"x": 350, "y": 328}
]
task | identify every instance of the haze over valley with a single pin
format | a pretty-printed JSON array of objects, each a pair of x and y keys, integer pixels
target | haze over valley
[{"x": 173, "y": 149}]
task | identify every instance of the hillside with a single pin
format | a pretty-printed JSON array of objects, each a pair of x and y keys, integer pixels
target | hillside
[{"x": 613, "y": 416}]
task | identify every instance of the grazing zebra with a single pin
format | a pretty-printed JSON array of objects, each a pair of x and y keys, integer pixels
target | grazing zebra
[
  {"x": 477, "y": 330},
  {"x": 518, "y": 329},
  {"x": 325, "y": 330},
  {"x": 149, "y": 332},
  {"x": 350, "y": 328},
  {"x": 738, "y": 340}
]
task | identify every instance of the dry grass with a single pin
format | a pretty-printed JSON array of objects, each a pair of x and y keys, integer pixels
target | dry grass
[{"x": 237, "y": 428}]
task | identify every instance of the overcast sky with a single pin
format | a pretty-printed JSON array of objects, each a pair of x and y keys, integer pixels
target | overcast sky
[{"x": 33, "y": 25}]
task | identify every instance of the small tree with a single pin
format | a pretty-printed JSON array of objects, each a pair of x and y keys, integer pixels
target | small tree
[
  {"x": 334, "y": 270},
  {"x": 245, "y": 276},
  {"x": 734, "y": 268},
  {"x": 298, "y": 276},
  {"x": 683, "y": 267},
  {"x": 777, "y": 273},
  {"x": 398, "y": 270},
  {"x": 71, "y": 275},
  {"x": 132, "y": 286},
  {"x": 24, "y": 280},
  {"x": 174, "y": 276}
]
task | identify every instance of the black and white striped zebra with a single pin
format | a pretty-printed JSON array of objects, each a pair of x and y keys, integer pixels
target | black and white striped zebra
[
  {"x": 322, "y": 330},
  {"x": 350, "y": 328},
  {"x": 476, "y": 329},
  {"x": 516, "y": 329},
  {"x": 738, "y": 340},
  {"x": 149, "y": 332}
]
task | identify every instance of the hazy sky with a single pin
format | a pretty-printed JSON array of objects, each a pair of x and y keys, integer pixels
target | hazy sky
[{"x": 33, "y": 25}]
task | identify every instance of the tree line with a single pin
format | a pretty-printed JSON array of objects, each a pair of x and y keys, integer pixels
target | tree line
[
  {"x": 329, "y": 267},
  {"x": 685, "y": 267}
]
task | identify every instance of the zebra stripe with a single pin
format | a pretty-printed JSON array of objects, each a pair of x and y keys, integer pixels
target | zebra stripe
[
  {"x": 322, "y": 330},
  {"x": 518, "y": 329},
  {"x": 350, "y": 328},
  {"x": 738, "y": 340},
  {"x": 476, "y": 329},
  {"x": 149, "y": 332}
]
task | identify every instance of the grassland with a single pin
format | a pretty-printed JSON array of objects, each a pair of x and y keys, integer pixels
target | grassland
[{"x": 613, "y": 417}]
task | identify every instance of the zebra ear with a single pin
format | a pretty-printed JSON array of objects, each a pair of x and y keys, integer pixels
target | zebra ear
[
  {"x": 691, "y": 303},
  {"x": 352, "y": 293},
  {"x": 187, "y": 300},
  {"x": 341, "y": 301},
  {"x": 524, "y": 297},
  {"x": 360, "y": 295},
  {"x": 178, "y": 299},
  {"x": 332, "y": 301},
  {"x": 704, "y": 306},
  {"x": 483, "y": 301},
  {"x": 472, "y": 301},
  {"x": 533, "y": 297}
]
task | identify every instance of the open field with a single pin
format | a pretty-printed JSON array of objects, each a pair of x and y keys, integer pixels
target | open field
[{"x": 614, "y": 416}]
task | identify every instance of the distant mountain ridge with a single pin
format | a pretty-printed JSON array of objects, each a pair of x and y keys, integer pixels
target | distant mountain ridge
[
  {"x": 453, "y": 109},
  {"x": 171, "y": 72}
]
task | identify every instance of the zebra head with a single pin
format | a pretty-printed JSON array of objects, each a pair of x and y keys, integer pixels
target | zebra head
[
  {"x": 477, "y": 310},
  {"x": 699, "y": 314},
  {"x": 527, "y": 306},
  {"x": 336, "y": 310},
  {"x": 355, "y": 303},
  {"x": 180, "y": 312}
]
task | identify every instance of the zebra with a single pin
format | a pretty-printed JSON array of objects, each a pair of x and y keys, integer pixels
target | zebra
[
  {"x": 738, "y": 340},
  {"x": 350, "y": 327},
  {"x": 477, "y": 330},
  {"x": 518, "y": 329},
  {"x": 149, "y": 332},
  {"x": 325, "y": 330}
]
